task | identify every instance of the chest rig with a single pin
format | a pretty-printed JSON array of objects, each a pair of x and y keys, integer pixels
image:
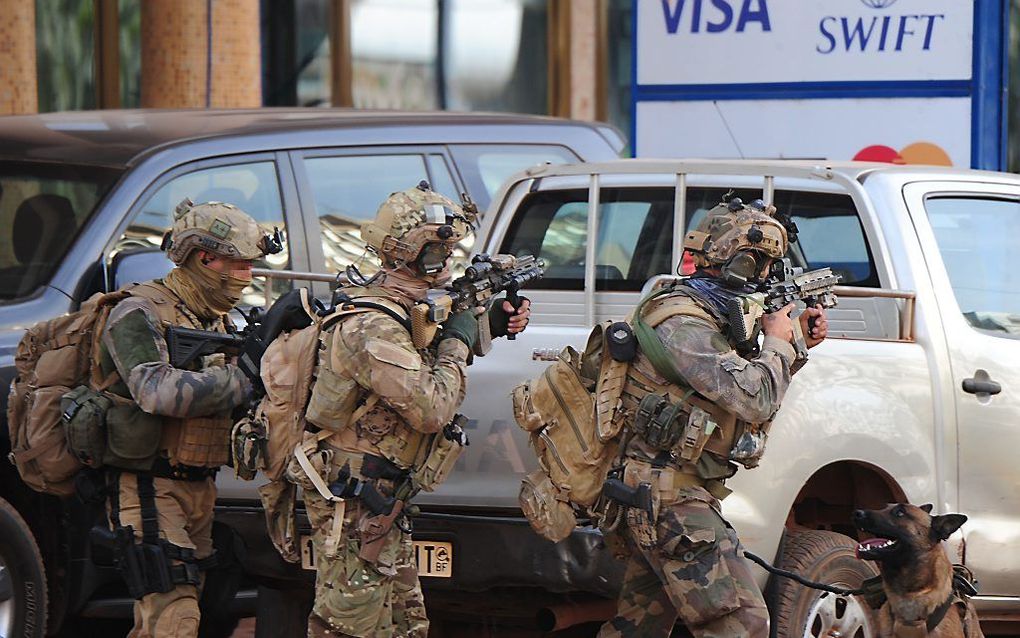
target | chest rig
[
  {"x": 196, "y": 442},
  {"x": 653, "y": 391}
]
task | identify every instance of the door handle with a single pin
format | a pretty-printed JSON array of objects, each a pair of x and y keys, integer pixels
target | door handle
[{"x": 981, "y": 386}]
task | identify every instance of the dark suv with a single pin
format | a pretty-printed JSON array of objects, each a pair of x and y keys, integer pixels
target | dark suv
[{"x": 86, "y": 198}]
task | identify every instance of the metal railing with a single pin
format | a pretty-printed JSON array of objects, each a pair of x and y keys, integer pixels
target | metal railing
[
  {"x": 271, "y": 275},
  {"x": 906, "y": 312}
]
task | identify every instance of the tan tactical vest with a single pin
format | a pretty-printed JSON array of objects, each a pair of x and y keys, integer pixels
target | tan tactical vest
[
  {"x": 195, "y": 441},
  {"x": 379, "y": 430},
  {"x": 642, "y": 378}
]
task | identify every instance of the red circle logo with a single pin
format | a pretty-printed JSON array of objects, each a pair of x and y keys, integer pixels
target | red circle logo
[{"x": 916, "y": 153}]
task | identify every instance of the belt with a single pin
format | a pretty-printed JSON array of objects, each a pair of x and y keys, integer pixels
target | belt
[
  {"x": 363, "y": 465},
  {"x": 665, "y": 479},
  {"x": 162, "y": 468}
]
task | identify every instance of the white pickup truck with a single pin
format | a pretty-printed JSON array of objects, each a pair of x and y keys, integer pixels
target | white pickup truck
[{"x": 915, "y": 396}]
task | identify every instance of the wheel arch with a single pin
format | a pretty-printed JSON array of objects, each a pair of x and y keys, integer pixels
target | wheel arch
[{"x": 834, "y": 491}]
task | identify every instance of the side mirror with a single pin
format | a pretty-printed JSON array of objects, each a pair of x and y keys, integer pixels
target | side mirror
[{"x": 137, "y": 266}]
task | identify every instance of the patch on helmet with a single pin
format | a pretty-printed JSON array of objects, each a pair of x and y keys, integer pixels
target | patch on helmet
[{"x": 220, "y": 229}]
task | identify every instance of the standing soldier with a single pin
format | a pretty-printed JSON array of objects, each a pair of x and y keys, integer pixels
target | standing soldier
[
  {"x": 385, "y": 396},
  {"x": 683, "y": 555},
  {"x": 168, "y": 428}
]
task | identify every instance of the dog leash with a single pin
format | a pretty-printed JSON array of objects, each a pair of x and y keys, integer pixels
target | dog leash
[{"x": 800, "y": 579}]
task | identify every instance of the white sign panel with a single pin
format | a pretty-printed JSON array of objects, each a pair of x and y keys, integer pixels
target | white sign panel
[
  {"x": 902, "y": 130},
  {"x": 777, "y": 41}
]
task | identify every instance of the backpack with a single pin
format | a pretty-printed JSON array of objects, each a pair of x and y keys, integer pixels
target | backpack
[
  {"x": 570, "y": 413},
  {"x": 53, "y": 358},
  {"x": 274, "y": 431}
]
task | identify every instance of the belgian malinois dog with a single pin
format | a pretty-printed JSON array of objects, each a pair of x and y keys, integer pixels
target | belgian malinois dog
[{"x": 917, "y": 576}]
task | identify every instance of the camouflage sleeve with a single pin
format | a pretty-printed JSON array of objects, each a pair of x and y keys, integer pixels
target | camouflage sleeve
[
  {"x": 377, "y": 352},
  {"x": 139, "y": 352},
  {"x": 751, "y": 389}
]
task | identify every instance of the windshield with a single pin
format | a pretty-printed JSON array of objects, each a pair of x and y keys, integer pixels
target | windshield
[{"x": 42, "y": 208}]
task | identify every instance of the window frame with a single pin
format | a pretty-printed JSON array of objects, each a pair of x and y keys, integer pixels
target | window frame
[
  {"x": 306, "y": 195},
  {"x": 295, "y": 226}
]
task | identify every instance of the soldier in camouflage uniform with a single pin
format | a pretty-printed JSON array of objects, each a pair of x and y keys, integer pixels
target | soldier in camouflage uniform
[
  {"x": 684, "y": 557},
  {"x": 168, "y": 429},
  {"x": 383, "y": 401}
]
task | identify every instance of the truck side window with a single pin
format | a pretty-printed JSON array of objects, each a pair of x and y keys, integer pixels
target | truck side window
[
  {"x": 635, "y": 239},
  {"x": 485, "y": 167},
  {"x": 252, "y": 187},
  {"x": 348, "y": 190},
  {"x": 977, "y": 240}
]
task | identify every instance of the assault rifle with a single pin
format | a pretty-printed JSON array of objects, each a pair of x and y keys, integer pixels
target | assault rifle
[
  {"x": 785, "y": 284},
  {"x": 486, "y": 277},
  {"x": 287, "y": 313}
]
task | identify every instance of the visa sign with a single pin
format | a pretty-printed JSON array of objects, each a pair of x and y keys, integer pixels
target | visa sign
[
  {"x": 715, "y": 16},
  {"x": 760, "y": 41}
]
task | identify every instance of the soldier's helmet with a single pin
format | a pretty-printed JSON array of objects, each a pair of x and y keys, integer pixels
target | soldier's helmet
[
  {"x": 734, "y": 230},
  {"x": 223, "y": 229},
  {"x": 410, "y": 219}
]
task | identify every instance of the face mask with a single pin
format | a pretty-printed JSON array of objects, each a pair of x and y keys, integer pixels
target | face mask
[
  {"x": 742, "y": 269},
  {"x": 205, "y": 291}
]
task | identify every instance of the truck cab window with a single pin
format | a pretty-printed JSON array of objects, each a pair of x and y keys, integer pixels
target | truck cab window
[{"x": 977, "y": 240}]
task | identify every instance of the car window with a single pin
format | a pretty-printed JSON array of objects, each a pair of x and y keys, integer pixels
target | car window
[
  {"x": 252, "y": 187},
  {"x": 977, "y": 239},
  {"x": 635, "y": 226},
  {"x": 347, "y": 191},
  {"x": 42, "y": 207},
  {"x": 485, "y": 167}
]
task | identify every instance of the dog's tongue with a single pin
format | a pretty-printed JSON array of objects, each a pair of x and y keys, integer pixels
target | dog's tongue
[{"x": 867, "y": 545}]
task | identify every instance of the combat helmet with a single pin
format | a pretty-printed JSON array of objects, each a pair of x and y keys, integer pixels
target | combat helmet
[
  {"x": 223, "y": 229},
  {"x": 735, "y": 236},
  {"x": 410, "y": 219}
]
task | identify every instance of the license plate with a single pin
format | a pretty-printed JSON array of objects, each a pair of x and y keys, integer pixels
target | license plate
[{"x": 434, "y": 558}]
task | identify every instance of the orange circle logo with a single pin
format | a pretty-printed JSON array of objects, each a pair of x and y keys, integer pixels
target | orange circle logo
[{"x": 916, "y": 153}]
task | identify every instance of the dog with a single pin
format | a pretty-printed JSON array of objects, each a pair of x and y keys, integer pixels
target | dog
[{"x": 922, "y": 596}]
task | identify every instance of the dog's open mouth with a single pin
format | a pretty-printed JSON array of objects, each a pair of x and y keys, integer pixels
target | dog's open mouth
[{"x": 875, "y": 548}]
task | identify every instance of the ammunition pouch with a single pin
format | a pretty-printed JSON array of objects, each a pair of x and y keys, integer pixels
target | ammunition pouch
[
  {"x": 248, "y": 445},
  {"x": 660, "y": 423},
  {"x": 83, "y": 411},
  {"x": 150, "y": 568},
  {"x": 441, "y": 455}
]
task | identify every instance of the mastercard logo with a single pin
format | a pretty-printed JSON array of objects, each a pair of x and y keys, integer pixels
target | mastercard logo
[{"x": 916, "y": 153}]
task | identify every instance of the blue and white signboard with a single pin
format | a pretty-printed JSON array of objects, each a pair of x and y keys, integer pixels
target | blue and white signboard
[{"x": 915, "y": 81}]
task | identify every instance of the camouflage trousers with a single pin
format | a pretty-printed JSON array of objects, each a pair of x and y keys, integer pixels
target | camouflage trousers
[
  {"x": 356, "y": 598},
  {"x": 185, "y": 510},
  {"x": 686, "y": 566}
]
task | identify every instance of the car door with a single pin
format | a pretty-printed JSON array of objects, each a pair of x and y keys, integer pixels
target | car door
[{"x": 968, "y": 234}]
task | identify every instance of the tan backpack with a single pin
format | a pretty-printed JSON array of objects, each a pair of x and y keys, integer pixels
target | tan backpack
[
  {"x": 267, "y": 439},
  {"x": 52, "y": 358},
  {"x": 571, "y": 416}
]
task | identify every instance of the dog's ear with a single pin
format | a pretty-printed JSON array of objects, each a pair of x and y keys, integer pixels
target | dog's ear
[
  {"x": 927, "y": 507},
  {"x": 942, "y": 527}
]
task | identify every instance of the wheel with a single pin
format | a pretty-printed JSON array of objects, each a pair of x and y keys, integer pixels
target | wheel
[
  {"x": 824, "y": 557},
  {"x": 23, "y": 601}
]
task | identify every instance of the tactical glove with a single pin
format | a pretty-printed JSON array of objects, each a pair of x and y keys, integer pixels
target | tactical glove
[
  {"x": 499, "y": 319},
  {"x": 462, "y": 325}
]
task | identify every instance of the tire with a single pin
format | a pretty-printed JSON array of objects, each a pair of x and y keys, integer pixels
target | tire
[
  {"x": 825, "y": 557},
  {"x": 23, "y": 600}
]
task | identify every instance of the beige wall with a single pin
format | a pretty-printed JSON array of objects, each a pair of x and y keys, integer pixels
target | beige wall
[
  {"x": 18, "y": 93},
  {"x": 176, "y": 57}
]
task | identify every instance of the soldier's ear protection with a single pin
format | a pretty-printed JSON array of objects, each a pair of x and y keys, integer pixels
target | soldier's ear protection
[
  {"x": 746, "y": 266},
  {"x": 432, "y": 258}
]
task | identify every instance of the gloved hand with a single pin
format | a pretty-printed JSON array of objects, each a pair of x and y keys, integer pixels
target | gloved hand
[
  {"x": 462, "y": 325},
  {"x": 502, "y": 313}
]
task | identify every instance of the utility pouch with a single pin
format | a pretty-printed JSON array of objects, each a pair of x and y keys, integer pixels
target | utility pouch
[
  {"x": 546, "y": 507},
  {"x": 444, "y": 450},
  {"x": 132, "y": 438},
  {"x": 749, "y": 447},
  {"x": 699, "y": 428},
  {"x": 334, "y": 399},
  {"x": 248, "y": 446},
  {"x": 84, "y": 411}
]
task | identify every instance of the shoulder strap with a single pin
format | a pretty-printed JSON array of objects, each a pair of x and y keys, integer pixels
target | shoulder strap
[{"x": 652, "y": 346}]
